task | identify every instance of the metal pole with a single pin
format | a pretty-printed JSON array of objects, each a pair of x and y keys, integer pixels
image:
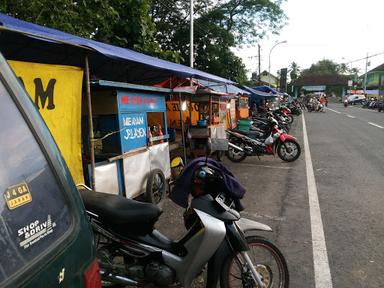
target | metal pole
[
  {"x": 182, "y": 131},
  {"x": 90, "y": 122},
  {"x": 269, "y": 63},
  {"x": 191, "y": 36},
  {"x": 365, "y": 75},
  {"x": 259, "y": 73}
]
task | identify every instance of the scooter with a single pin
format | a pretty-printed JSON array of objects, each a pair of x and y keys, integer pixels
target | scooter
[{"x": 132, "y": 253}]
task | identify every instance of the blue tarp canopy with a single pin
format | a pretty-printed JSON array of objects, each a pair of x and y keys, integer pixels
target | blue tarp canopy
[
  {"x": 222, "y": 87},
  {"x": 265, "y": 89},
  {"x": 258, "y": 93},
  {"x": 26, "y": 41}
]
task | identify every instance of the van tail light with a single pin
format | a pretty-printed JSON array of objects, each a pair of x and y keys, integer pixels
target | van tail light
[{"x": 92, "y": 276}]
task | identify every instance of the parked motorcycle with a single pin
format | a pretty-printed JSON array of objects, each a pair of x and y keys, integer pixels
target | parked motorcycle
[
  {"x": 284, "y": 145},
  {"x": 287, "y": 113},
  {"x": 132, "y": 253},
  {"x": 295, "y": 109},
  {"x": 262, "y": 122}
]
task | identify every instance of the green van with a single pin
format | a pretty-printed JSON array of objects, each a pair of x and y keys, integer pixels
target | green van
[{"x": 45, "y": 238}]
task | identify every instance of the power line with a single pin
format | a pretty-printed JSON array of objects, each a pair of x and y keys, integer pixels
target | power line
[{"x": 367, "y": 57}]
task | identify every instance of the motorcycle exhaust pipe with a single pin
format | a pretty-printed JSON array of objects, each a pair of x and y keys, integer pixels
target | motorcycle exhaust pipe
[
  {"x": 117, "y": 279},
  {"x": 236, "y": 147}
]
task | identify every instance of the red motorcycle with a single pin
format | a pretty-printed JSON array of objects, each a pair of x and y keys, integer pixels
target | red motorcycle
[{"x": 242, "y": 145}]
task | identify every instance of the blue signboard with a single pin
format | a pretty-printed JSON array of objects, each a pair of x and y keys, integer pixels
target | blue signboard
[
  {"x": 133, "y": 130},
  {"x": 140, "y": 101}
]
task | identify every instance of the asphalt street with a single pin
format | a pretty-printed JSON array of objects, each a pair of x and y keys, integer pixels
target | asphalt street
[{"x": 347, "y": 151}]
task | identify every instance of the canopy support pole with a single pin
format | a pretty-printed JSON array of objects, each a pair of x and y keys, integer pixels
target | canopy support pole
[
  {"x": 182, "y": 131},
  {"x": 90, "y": 122}
]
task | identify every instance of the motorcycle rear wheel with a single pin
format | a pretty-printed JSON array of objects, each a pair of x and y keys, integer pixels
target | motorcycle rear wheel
[
  {"x": 289, "y": 150},
  {"x": 235, "y": 155},
  {"x": 268, "y": 261}
]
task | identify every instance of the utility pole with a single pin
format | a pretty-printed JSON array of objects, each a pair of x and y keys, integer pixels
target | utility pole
[
  {"x": 191, "y": 36},
  {"x": 365, "y": 75},
  {"x": 259, "y": 73}
]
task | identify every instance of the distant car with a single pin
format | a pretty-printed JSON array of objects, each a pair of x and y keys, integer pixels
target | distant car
[
  {"x": 45, "y": 238},
  {"x": 355, "y": 99}
]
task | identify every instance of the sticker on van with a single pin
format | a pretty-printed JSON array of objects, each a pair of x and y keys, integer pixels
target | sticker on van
[
  {"x": 35, "y": 231},
  {"x": 17, "y": 195}
]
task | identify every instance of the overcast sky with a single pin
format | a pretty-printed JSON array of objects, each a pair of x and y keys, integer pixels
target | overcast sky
[{"x": 340, "y": 30}]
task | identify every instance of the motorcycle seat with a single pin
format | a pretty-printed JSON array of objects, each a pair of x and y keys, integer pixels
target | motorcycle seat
[
  {"x": 251, "y": 133},
  {"x": 121, "y": 214}
]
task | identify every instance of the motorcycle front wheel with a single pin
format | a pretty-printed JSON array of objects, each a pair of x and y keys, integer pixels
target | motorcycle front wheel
[
  {"x": 268, "y": 261},
  {"x": 289, "y": 150},
  {"x": 234, "y": 154}
]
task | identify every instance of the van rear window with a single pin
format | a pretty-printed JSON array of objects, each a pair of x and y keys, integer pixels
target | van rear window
[{"x": 34, "y": 213}]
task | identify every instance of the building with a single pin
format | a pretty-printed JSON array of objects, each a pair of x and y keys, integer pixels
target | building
[
  {"x": 267, "y": 79},
  {"x": 374, "y": 82},
  {"x": 329, "y": 84}
]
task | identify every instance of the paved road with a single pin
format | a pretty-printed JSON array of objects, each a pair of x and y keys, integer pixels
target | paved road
[
  {"x": 347, "y": 149},
  {"x": 348, "y": 154}
]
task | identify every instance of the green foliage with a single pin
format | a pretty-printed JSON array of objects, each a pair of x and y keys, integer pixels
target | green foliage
[
  {"x": 329, "y": 67},
  {"x": 323, "y": 67},
  {"x": 219, "y": 26},
  {"x": 161, "y": 27},
  {"x": 250, "y": 20},
  {"x": 295, "y": 71},
  {"x": 126, "y": 23}
]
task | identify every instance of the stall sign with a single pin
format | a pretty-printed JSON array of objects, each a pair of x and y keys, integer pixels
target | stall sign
[
  {"x": 56, "y": 92},
  {"x": 140, "y": 101},
  {"x": 173, "y": 114},
  {"x": 133, "y": 130}
]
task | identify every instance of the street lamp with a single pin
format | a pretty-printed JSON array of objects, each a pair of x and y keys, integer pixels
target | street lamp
[{"x": 270, "y": 51}]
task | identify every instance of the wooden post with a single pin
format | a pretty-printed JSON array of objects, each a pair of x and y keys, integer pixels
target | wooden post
[{"x": 90, "y": 122}]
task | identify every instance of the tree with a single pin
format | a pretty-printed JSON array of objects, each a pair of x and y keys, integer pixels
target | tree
[
  {"x": 295, "y": 71},
  {"x": 329, "y": 67},
  {"x": 161, "y": 27},
  {"x": 219, "y": 26},
  {"x": 126, "y": 23},
  {"x": 323, "y": 67}
]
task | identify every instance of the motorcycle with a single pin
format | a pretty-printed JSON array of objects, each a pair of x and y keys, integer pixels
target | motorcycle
[
  {"x": 295, "y": 108},
  {"x": 278, "y": 142},
  {"x": 263, "y": 122},
  {"x": 132, "y": 253},
  {"x": 286, "y": 113}
]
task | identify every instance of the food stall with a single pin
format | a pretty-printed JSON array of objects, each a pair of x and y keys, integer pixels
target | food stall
[
  {"x": 208, "y": 135},
  {"x": 209, "y": 109},
  {"x": 130, "y": 132}
]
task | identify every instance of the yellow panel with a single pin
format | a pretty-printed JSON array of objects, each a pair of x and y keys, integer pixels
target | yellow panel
[{"x": 56, "y": 92}]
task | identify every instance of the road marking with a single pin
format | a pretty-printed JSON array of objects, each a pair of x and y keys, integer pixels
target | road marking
[
  {"x": 323, "y": 277},
  {"x": 373, "y": 124},
  {"x": 264, "y": 166},
  {"x": 333, "y": 110},
  {"x": 350, "y": 116},
  {"x": 256, "y": 215}
]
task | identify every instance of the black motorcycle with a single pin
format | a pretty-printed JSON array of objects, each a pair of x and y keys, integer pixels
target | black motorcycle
[{"x": 132, "y": 253}]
